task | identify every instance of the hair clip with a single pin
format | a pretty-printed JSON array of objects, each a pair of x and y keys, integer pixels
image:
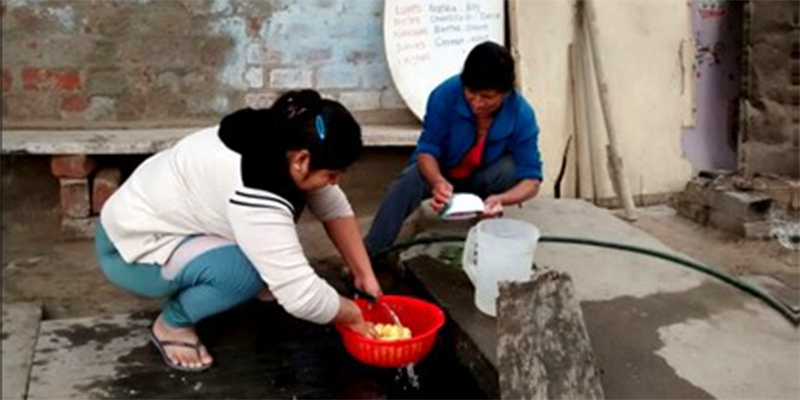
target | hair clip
[{"x": 320, "y": 127}]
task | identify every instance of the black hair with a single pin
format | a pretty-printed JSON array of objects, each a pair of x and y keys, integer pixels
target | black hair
[
  {"x": 489, "y": 66},
  {"x": 323, "y": 127}
]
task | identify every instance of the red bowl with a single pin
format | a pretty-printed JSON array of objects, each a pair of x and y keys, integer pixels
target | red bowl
[{"x": 422, "y": 318}]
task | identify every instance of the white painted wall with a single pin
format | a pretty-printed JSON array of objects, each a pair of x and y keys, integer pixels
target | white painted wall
[{"x": 648, "y": 78}]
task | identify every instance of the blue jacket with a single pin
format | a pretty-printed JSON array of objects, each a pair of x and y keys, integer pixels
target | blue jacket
[{"x": 448, "y": 131}]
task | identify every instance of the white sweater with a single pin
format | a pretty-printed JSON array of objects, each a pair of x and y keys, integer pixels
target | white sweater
[{"x": 196, "y": 187}]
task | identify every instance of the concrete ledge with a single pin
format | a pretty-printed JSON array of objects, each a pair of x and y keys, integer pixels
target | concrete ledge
[
  {"x": 148, "y": 141},
  {"x": 20, "y": 330}
]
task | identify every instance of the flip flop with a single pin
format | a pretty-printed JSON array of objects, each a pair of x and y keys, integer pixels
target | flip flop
[{"x": 160, "y": 344}]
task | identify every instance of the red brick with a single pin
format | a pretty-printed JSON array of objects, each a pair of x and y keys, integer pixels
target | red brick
[
  {"x": 72, "y": 166},
  {"x": 74, "y": 104},
  {"x": 39, "y": 79},
  {"x": 106, "y": 182},
  {"x": 6, "y": 80},
  {"x": 75, "y": 198}
]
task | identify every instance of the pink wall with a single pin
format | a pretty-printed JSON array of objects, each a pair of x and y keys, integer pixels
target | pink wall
[{"x": 717, "y": 28}]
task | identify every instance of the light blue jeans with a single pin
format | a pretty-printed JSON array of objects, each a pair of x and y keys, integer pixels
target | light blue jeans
[
  {"x": 210, "y": 283},
  {"x": 410, "y": 189}
]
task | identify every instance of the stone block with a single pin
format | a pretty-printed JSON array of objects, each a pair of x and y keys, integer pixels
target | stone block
[
  {"x": 745, "y": 206},
  {"x": 80, "y": 108},
  {"x": 696, "y": 191},
  {"x": 693, "y": 211},
  {"x": 361, "y": 101},
  {"x": 259, "y": 100},
  {"x": 375, "y": 76},
  {"x": 75, "y": 198},
  {"x": 73, "y": 51},
  {"x": 313, "y": 55},
  {"x": 107, "y": 81},
  {"x": 363, "y": 8},
  {"x": 105, "y": 183},
  {"x": 78, "y": 228},
  {"x": 78, "y": 166},
  {"x": 254, "y": 77},
  {"x": 543, "y": 348},
  {"x": 290, "y": 78},
  {"x": 756, "y": 229},
  {"x": 30, "y": 106},
  {"x": 337, "y": 77}
]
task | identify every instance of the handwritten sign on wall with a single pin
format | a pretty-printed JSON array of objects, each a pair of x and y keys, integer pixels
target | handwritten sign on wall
[{"x": 427, "y": 41}]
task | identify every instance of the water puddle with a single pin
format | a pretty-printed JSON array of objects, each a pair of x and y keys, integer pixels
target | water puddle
[{"x": 407, "y": 378}]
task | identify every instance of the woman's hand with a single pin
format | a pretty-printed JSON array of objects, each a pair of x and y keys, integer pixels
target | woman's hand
[
  {"x": 368, "y": 284},
  {"x": 442, "y": 191},
  {"x": 351, "y": 316},
  {"x": 493, "y": 207}
]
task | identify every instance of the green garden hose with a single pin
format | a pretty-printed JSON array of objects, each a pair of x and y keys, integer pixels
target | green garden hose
[{"x": 792, "y": 314}]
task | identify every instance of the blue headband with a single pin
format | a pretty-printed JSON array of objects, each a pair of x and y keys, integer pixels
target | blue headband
[{"x": 320, "y": 128}]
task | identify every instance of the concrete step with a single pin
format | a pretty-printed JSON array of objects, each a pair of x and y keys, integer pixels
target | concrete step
[
  {"x": 148, "y": 141},
  {"x": 20, "y": 330}
]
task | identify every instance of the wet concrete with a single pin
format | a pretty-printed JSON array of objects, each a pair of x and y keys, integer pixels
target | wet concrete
[
  {"x": 622, "y": 361},
  {"x": 260, "y": 352}
]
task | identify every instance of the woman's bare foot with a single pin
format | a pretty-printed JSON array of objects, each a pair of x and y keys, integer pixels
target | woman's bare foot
[{"x": 183, "y": 356}]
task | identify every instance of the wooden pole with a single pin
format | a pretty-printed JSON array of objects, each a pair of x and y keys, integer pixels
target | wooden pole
[
  {"x": 617, "y": 169},
  {"x": 585, "y": 175}
]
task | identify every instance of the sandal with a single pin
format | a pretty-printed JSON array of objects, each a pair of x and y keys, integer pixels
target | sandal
[{"x": 160, "y": 344}]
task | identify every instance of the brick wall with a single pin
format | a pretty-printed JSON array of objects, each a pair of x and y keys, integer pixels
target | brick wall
[
  {"x": 769, "y": 140},
  {"x": 98, "y": 63}
]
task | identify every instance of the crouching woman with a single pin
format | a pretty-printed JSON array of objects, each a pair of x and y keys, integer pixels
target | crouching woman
[{"x": 211, "y": 222}]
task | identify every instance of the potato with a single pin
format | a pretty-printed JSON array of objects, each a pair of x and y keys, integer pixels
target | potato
[{"x": 390, "y": 332}]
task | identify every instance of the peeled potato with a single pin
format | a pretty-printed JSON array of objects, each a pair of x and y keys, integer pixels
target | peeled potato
[{"x": 390, "y": 332}]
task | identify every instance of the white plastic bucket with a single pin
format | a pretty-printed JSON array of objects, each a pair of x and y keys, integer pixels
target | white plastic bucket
[{"x": 498, "y": 250}]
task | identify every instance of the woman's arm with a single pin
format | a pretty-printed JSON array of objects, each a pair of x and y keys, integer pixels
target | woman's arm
[
  {"x": 346, "y": 235},
  {"x": 524, "y": 190},
  {"x": 441, "y": 189}
]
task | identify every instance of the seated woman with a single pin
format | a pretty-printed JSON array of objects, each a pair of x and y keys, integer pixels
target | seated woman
[
  {"x": 211, "y": 222},
  {"x": 479, "y": 136}
]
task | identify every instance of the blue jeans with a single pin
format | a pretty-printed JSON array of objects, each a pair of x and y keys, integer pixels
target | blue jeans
[
  {"x": 210, "y": 283},
  {"x": 410, "y": 189}
]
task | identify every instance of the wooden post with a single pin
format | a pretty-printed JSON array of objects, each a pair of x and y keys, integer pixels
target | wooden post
[
  {"x": 617, "y": 169},
  {"x": 586, "y": 189}
]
